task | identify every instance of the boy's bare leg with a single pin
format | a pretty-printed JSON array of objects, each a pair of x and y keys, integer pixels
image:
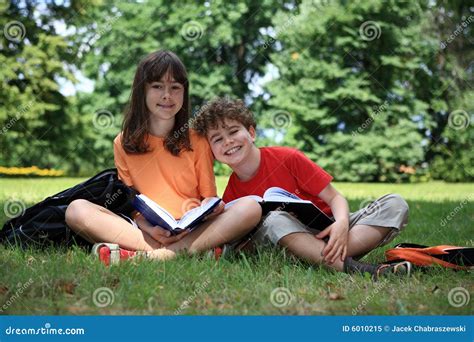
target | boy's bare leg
[
  {"x": 362, "y": 239},
  {"x": 234, "y": 223},
  {"x": 308, "y": 247},
  {"x": 98, "y": 224}
]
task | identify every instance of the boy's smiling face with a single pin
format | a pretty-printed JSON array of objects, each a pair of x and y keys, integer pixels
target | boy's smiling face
[{"x": 231, "y": 142}]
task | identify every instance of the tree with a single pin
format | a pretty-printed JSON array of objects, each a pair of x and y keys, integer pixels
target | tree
[
  {"x": 348, "y": 79},
  {"x": 449, "y": 152},
  {"x": 37, "y": 123}
]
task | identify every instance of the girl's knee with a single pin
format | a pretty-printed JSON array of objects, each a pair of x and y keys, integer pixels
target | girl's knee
[
  {"x": 251, "y": 208},
  {"x": 77, "y": 211}
]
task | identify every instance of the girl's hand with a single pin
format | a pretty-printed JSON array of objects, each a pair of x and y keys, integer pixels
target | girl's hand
[
  {"x": 217, "y": 210},
  {"x": 158, "y": 233},
  {"x": 337, "y": 246}
]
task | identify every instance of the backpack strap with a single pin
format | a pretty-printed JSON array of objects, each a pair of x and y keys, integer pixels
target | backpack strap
[{"x": 459, "y": 258}]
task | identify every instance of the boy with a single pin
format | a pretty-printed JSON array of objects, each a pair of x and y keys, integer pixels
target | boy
[{"x": 230, "y": 129}]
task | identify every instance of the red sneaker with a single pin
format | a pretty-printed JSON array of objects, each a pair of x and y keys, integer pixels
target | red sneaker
[{"x": 111, "y": 253}]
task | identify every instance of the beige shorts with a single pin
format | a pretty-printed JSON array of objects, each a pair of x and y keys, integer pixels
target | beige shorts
[{"x": 389, "y": 211}]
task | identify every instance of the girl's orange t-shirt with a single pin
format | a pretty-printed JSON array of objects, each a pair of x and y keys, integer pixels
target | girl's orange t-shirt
[{"x": 176, "y": 183}]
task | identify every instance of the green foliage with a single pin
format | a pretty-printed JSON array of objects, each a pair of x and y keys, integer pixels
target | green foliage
[
  {"x": 38, "y": 122},
  {"x": 454, "y": 160},
  {"x": 354, "y": 86},
  {"x": 350, "y": 92}
]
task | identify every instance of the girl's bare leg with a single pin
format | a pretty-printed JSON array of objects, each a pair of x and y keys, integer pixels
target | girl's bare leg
[
  {"x": 234, "y": 223},
  {"x": 98, "y": 224}
]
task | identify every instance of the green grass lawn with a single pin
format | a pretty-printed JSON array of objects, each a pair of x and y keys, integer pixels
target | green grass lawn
[{"x": 72, "y": 282}]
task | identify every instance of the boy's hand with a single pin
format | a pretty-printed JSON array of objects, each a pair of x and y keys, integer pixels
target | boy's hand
[
  {"x": 337, "y": 245},
  {"x": 158, "y": 233},
  {"x": 217, "y": 210}
]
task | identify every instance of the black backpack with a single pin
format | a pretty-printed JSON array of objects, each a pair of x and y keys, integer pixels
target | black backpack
[{"x": 44, "y": 223}]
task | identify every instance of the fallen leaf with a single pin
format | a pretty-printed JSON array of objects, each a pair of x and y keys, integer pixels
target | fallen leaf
[
  {"x": 66, "y": 286},
  {"x": 30, "y": 260},
  {"x": 76, "y": 309},
  {"x": 335, "y": 296},
  {"x": 3, "y": 289},
  {"x": 114, "y": 282}
]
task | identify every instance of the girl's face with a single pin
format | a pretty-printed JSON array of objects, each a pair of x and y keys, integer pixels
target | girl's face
[{"x": 164, "y": 98}]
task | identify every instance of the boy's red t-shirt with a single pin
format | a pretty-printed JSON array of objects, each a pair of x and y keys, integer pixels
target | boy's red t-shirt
[{"x": 286, "y": 168}]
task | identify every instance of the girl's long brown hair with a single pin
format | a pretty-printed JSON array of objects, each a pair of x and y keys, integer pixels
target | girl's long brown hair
[{"x": 136, "y": 122}]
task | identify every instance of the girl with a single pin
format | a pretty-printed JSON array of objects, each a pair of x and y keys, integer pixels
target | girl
[{"x": 158, "y": 155}]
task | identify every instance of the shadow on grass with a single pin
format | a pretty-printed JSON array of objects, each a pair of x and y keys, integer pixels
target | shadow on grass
[{"x": 69, "y": 281}]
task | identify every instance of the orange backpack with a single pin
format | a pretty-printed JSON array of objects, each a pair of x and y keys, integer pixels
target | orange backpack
[{"x": 459, "y": 258}]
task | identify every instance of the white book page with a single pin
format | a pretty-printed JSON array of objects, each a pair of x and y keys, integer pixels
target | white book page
[
  {"x": 192, "y": 214},
  {"x": 277, "y": 194},
  {"x": 254, "y": 197},
  {"x": 165, "y": 215}
]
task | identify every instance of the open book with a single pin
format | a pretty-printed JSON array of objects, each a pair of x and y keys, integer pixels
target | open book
[
  {"x": 158, "y": 216},
  {"x": 276, "y": 198}
]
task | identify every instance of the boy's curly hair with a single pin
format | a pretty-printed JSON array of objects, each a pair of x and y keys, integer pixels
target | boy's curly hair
[{"x": 216, "y": 111}]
